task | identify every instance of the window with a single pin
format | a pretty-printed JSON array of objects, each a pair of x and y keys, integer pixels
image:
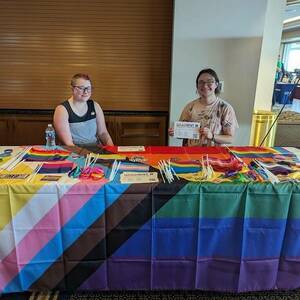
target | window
[{"x": 291, "y": 56}]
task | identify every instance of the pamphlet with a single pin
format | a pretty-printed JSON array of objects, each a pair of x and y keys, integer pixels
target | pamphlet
[{"x": 187, "y": 130}]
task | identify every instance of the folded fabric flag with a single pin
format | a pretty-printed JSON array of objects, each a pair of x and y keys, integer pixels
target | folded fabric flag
[
  {"x": 186, "y": 167},
  {"x": 218, "y": 165},
  {"x": 277, "y": 169},
  {"x": 253, "y": 152},
  {"x": 56, "y": 167},
  {"x": 224, "y": 165},
  {"x": 40, "y": 154},
  {"x": 289, "y": 158}
]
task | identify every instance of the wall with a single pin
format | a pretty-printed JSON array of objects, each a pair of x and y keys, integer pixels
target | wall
[
  {"x": 269, "y": 54},
  {"x": 224, "y": 35},
  {"x": 125, "y": 46}
]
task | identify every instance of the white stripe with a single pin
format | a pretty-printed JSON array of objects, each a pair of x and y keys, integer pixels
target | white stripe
[
  {"x": 293, "y": 150},
  {"x": 32, "y": 212}
]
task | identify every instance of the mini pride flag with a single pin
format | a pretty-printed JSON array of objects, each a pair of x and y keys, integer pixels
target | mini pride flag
[
  {"x": 40, "y": 154},
  {"x": 56, "y": 167}
]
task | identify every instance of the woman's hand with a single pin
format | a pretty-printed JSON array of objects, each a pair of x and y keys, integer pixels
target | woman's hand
[
  {"x": 206, "y": 133},
  {"x": 171, "y": 131}
]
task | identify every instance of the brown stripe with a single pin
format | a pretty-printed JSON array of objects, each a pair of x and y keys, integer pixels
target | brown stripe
[
  {"x": 93, "y": 235},
  {"x": 131, "y": 224}
]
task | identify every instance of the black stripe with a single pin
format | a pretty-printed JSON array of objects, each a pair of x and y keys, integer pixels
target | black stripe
[
  {"x": 141, "y": 214},
  {"x": 114, "y": 214}
]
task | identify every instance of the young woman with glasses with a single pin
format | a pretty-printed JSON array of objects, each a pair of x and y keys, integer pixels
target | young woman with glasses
[
  {"x": 80, "y": 120},
  {"x": 216, "y": 116}
]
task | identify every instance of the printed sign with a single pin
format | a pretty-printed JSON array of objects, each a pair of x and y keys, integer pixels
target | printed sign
[
  {"x": 138, "y": 177},
  {"x": 187, "y": 130}
]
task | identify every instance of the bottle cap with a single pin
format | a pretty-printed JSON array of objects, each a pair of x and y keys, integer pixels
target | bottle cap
[{"x": 50, "y": 125}]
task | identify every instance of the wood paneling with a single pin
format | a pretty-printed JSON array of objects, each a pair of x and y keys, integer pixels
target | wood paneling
[
  {"x": 111, "y": 126},
  {"x": 125, "y": 130},
  {"x": 141, "y": 130},
  {"x": 125, "y": 46},
  {"x": 30, "y": 130},
  {"x": 23, "y": 129},
  {"x": 5, "y": 130}
]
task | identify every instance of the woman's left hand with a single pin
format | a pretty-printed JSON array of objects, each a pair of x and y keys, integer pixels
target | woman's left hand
[{"x": 206, "y": 132}]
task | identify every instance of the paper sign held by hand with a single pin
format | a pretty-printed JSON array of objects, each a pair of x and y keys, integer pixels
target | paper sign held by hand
[{"x": 187, "y": 130}]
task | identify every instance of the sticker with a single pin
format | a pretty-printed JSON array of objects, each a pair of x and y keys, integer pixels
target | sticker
[
  {"x": 131, "y": 148},
  {"x": 51, "y": 178},
  {"x": 13, "y": 176}
]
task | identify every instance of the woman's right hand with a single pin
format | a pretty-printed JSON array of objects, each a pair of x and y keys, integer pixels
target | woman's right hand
[{"x": 171, "y": 131}]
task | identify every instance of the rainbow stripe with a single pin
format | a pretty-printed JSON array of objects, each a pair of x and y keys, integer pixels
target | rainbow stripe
[{"x": 41, "y": 154}]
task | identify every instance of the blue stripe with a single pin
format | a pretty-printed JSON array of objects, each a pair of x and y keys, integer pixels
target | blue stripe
[
  {"x": 263, "y": 238},
  {"x": 281, "y": 150},
  {"x": 228, "y": 238},
  {"x": 292, "y": 239},
  {"x": 72, "y": 230},
  {"x": 185, "y": 169}
]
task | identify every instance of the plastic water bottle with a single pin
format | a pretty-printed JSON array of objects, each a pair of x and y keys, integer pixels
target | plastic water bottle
[{"x": 50, "y": 137}]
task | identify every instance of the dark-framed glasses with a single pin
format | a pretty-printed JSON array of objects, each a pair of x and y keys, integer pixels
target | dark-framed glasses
[
  {"x": 208, "y": 82},
  {"x": 83, "y": 89}
]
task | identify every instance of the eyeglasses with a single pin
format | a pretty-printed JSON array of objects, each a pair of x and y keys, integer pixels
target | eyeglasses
[
  {"x": 83, "y": 89},
  {"x": 209, "y": 82}
]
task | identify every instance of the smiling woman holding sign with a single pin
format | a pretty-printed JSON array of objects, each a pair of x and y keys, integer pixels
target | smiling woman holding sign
[{"x": 216, "y": 116}]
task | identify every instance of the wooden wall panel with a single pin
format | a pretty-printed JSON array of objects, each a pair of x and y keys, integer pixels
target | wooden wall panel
[
  {"x": 5, "y": 132},
  {"x": 141, "y": 130},
  {"x": 125, "y": 46},
  {"x": 125, "y": 129}
]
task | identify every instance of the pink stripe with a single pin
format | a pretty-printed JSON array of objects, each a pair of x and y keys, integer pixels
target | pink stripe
[{"x": 53, "y": 221}]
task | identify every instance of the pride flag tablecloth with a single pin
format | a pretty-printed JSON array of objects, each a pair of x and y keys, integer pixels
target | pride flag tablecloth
[{"x": 111, "y": 236}]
